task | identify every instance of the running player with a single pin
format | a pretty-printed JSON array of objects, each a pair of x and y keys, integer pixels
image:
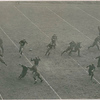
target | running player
[
  {"x": 49, "y": 48},
  {"x": 95, "y": 43},
  {"x": 91, "y": 69},
  {"x": 53, "y": 40},
  {"x": 22, "y": 44}
]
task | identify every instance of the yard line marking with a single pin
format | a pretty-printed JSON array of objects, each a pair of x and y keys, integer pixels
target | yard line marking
[
  {"x": 89, "y": 14},
  {"x": 1, "y": 97},
  {"x": 58, "y": 45},
  {"x": 31, "y": 64},
  {"x": 30, "y": 21},
  {"x": 69, "y": 24}
]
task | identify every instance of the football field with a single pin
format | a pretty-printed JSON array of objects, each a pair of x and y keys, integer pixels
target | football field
[{"x": 64, "y": 77}]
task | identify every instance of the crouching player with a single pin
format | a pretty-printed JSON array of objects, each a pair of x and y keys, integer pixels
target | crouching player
[
  {"x": 49, "y": 48},
  {"x": 70, "y": 48},
  {"x": 76, "y": 48}
]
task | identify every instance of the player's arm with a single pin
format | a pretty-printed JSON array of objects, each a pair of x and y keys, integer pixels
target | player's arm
[
  {"x": 97, "y": 57},
  {"x": 32, "y": 59},
  {"x": 29, "y": 68},
  {"x": 39, "y": 58},
  {"x": 87, "y": 66},
  {"x": 21, "y": 65},
  {"x": 26, "y": 42},
  {"x": 20, "y": 42},
  {"x": 48, "y": 45}
]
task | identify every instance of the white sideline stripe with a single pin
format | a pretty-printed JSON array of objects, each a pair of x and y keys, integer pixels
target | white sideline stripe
[
  {"x": 30, "y": 21},
  {"x": 1, "y": 97},
  {"x": 69, "y": 24},
  {"x": 89, "y": 14},
  {"x": 57, "y": 44},
  {"x": 31, "y": 64}
]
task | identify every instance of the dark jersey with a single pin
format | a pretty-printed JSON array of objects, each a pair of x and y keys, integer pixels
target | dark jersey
[
  {"x": 77, "y": 46},
  {"x": 24, "y": 69},
  {"x": 54, "y": 37},
  {"x": 72, "y": 44},
  {"x": 36, "y": 61},
  {"x": 97, "y": 39},
  {"x": 22, "y": 42},
  {"x": 50, "y": 46},
  {"x": 91, "y": 67},
  {"x": 98, "y": 58},
  {"x": 34, "y": 69}
]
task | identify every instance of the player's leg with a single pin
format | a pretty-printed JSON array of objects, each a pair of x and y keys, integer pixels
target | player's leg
[
  {"x": 65, "y": 51},
  {"x": 72, "y": 50},
  {"x": 97, "y": 46},
  {"x": 22, "y": 75},
  {"x": 92, "y": 74},
  {"x": 20, "y": 49},
  {"x": 34, "y": 76},
  {"x": 2, "y": 49},
  {"x": 98, "y": 65},
  {"x": 21, "y": 52},
  {"x": 78, "y": 52},
  {"x": 3, "y": 61},
  {"x": 89, "y": 71},
  {"x": 47, "y": 52},
  {"x": 54, "y": 44},
  {"x": 38, "y": 75},
  {"x": 92, "y": 45},
  {"x": 99, "y": 29}
]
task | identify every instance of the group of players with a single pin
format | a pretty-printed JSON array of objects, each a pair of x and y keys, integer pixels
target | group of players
[{"x": 73, "y": 47}]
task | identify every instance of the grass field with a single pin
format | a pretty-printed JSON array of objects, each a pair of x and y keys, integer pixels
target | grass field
[{"x": 64, "y": 77}]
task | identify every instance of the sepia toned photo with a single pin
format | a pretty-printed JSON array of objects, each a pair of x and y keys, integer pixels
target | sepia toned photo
[{"x": 49, "y": 50}]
